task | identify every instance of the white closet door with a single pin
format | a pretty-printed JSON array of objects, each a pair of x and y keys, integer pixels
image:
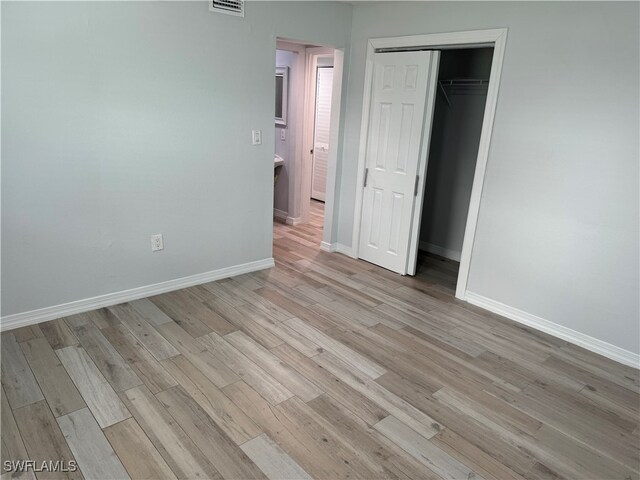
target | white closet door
[
  {"x": 324, "y": 84},
  {"x": 396, "y": 121}
]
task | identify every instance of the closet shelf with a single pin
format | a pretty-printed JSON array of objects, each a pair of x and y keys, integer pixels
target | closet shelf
[{"x": 461, "y": 84}]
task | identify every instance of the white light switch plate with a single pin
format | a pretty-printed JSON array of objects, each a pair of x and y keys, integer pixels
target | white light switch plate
[
  {"x": 256, "y": 137},
  {"x": 283, "y": 134}
]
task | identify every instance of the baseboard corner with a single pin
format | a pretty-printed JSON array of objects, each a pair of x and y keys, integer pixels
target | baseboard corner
[
  {"x": 280, "y": 215},
  {"x": 293, "y": 221},
  {"x": 328, "y": 247}
]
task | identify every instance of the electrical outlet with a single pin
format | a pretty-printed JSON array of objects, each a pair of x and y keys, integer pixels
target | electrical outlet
[
  {"x": 283, "y": 134},
  {"x": 256, "y": 137},
  {"x": 156, "y": 242}
]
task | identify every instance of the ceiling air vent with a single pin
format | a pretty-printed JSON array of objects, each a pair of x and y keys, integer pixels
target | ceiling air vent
[{"x": 230, "y": 7}]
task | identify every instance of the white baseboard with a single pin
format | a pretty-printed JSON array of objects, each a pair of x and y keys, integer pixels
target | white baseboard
[
  {"x": 280, "y": 215},
  {"x": 293, "y": 221},
  {"x": 590, "y": 343},
  {"x": 328, "y": 247},
  {"x": 16, "y": 320},
  {"x": 284, "y": 217},
  {"x": 337, "y": 247},
  {"x": 437, "y": 250}
]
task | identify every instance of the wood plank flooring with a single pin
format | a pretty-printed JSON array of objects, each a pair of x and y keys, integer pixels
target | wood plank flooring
[{"x": 323, "y": 367}]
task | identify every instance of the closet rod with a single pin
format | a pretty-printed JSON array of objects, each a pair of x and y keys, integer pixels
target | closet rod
[{"x": 460, "y": 83}]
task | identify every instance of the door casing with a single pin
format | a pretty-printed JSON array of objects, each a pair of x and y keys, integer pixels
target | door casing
[
  {"x": 299, "y": 193},
  {"x": 495, "y": 38}
]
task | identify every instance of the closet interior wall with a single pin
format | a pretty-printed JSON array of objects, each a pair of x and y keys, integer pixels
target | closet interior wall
[{"x": 455, "y": 137}]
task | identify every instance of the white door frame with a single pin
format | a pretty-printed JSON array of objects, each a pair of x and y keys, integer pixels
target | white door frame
[
  {"x": 300, "y": 188},
  {"x": 495, "y": 38}
]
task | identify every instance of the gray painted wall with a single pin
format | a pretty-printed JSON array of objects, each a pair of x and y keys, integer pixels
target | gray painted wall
[
  {"x": 124, "y": 119},
  {"x": 111, "y": 134},
  {"x": 557, "y": 235},
  {"x": 453, "y": 151}
]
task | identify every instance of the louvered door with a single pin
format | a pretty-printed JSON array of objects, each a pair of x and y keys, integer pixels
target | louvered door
[{"x": 324, "y": 84}]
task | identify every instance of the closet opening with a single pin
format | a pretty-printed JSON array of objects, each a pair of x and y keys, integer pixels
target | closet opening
[{"x": 462, "y": 84}]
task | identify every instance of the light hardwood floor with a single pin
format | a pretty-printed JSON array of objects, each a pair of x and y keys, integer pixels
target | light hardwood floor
[{"x": 323, "y": 367}]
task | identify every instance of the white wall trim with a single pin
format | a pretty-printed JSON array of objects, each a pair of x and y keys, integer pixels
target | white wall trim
[
  {"x": 280, "y": 214},
  {"x": 590, "y": 343},
  {"x": 337, "y": 248},
  {"x": 492, "y": 37},
  {"x": 284, "y": 217},
  {"x": 437, "y": 250},
  {"x": 328, "y": 247},
  {"x": 16, "y": 320},
  {"x": 473, "y": 213},
  {"x": 293, "y": 221}
]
